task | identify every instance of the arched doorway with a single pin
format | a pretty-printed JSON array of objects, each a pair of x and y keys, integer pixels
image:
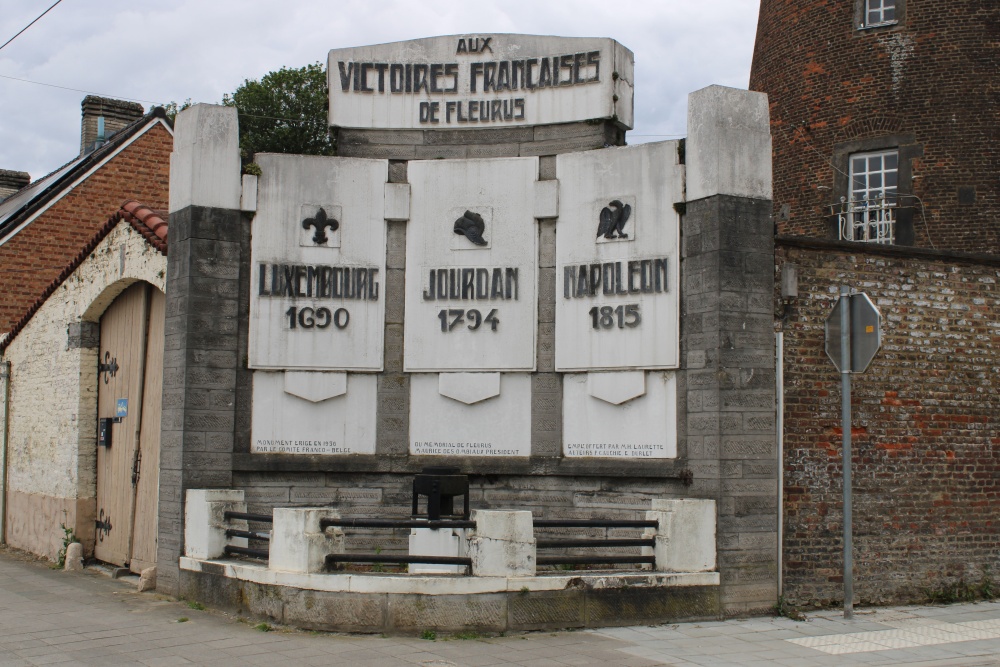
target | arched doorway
[{"x": 129, "y": 392}]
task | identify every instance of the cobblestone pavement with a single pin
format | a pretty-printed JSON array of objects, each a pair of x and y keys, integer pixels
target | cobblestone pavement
[{"x": 51, "y": 617}]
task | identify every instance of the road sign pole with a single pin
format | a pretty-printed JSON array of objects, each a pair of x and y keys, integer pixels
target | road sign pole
[{"x": 845, "y": 408}]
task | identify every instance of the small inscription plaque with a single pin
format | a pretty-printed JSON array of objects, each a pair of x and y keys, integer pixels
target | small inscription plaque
[
  {"x": 499, "y": 425},
  {"x": 309, "y": 416},
  {"x": 641, "y": 427}
]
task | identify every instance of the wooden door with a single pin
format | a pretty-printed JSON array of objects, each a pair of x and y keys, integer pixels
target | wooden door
[{"x": 129, "y": 393}]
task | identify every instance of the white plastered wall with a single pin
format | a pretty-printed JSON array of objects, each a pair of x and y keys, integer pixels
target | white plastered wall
[{"x": 52, "y": 421}]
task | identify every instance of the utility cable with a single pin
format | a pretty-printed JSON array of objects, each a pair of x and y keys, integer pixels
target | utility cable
[{"x": 30, "y": 24}]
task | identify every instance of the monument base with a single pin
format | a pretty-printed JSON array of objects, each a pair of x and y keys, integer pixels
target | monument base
[{"x": 411, "y": 604}]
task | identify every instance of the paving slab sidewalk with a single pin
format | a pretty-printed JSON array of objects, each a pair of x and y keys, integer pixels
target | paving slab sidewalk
[{"x": 50, "y": 617}]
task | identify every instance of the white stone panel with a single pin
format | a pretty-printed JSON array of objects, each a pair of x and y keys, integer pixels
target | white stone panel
[
  {"x": 498, "y": 426},
  {"x": 616, "y": 388},
  {"x": 546, "y": 199},
  {"x": 205, "y": 163},
  {"x": 299, "y": 544},
  {"x": 284, "y": 423},
  {"x": 644, "y": 427},
  {"x": 469, "y": 388},
  {"x": 248, "y": 194},
  {"x": 480, "y": 313},
  {"x": 685, "y": 540},
  {"x": 397, "y": 201},
  {"x": 503, "y": 544},
  {"x": 437, "y": 542},
  {"x": 728, "y": 148},
  {"x": 617, "y": 304},
  {"x": 315, "y": 386},
  {"x": 205, "y": 524},
  {"x": 336, "y": 272},
  {"x": 458, "y": 82}
]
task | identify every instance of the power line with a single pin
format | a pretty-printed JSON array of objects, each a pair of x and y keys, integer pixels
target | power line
[
  {"x": 76, "y": 90},
  {"x": 31, "y": 24}
]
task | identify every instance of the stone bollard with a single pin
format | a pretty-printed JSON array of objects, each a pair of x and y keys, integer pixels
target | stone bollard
[
  {"x": 74, "y": 557},
  {"x": 298, "y": 544},
  {"x": 205, "y": 524},
  {"x": 685, "y": 541},
  {"x": 147, "y": 580},
  {"x": 502, "y": 544}
]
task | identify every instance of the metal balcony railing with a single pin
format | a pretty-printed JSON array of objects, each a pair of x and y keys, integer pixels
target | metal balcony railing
[{"x": 867, "y": 220}]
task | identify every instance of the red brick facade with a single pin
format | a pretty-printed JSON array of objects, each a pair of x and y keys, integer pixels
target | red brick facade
[
  {"x": 926, "y": 414},
  {"x": 32, "y": 258},
  {"x": 929, "y": 85},
  {"x": 926, "y": 429}
]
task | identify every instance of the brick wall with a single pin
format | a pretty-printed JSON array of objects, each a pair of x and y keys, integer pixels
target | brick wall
[
  {"x": 926, "y": 427},
  {"x": 52, "y": 424},
  {"x": 928, "y": 85},
  {"x": 35, "y": 256}
]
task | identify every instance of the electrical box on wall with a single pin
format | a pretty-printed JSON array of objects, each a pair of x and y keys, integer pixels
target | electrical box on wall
[{"x": 104, "y": 431}]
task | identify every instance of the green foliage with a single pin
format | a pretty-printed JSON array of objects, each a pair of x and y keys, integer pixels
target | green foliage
[
  {"x": 183, "y": 619},
  {"x": 782, "y": 608},
  {"x": 69, "y": 537},
  {"x": 466, "y": 635},
  {"x": 173, "y": 108},
  {"x": 263, "y": 627},
  {"x": 197, "y": 606},
  {"x": 284, "y": 112},
  {"x": 429, "y": 635},
  {"x": 963, "y": 591}
]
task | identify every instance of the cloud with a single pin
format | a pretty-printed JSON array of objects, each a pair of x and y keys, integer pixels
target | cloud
[{"x": 158, "y": 51}]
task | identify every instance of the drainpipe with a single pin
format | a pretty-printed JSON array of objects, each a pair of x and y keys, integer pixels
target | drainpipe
[
  {"x": 779, "y": 374},
  {"x": 4, "y": 435}
]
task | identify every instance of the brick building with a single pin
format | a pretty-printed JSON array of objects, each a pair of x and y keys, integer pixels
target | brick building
[
  {"x": 886, "y": 166},
  {"x": 124, "y": 155},
  {"x": 65, "y": 266}
]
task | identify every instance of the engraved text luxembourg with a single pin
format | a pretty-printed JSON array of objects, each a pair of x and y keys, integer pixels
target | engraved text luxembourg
[
  {"x": 318, "y": 282},
  {"x": 488, "y": 78}
]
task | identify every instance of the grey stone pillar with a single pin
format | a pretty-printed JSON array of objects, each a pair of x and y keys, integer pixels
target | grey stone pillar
[
  {"x": 201, "y": 347},
  {"x": 727, "y": 336}
]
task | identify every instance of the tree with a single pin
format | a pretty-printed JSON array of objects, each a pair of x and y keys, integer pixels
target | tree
[
  {"x": 173, "y": 108},
  {"x": 284, "y": 112}
]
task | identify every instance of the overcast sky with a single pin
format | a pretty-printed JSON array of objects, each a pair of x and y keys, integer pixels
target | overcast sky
[{"x": 156, "y": 51}]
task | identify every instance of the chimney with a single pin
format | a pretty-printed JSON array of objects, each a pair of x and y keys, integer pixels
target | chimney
[
  {"x": 102, "y": 117},
  {"x": 12, "y": 181}
]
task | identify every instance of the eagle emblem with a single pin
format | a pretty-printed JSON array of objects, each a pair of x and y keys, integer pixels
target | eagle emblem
[
  {"x": 613, "y": 219},
  {"x": 472, "y": 226}
]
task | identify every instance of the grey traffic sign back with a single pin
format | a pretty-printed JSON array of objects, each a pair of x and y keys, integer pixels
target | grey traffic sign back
[{"x": 865, "y": 332}]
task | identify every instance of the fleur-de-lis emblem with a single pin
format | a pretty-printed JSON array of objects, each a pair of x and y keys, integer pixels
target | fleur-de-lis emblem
[{"x": 320, "y": 223}]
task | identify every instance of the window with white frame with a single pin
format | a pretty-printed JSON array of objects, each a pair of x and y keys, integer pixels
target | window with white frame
[
  {"x": 869, "y": 211},
  {"x": 878, "y": 12}
]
